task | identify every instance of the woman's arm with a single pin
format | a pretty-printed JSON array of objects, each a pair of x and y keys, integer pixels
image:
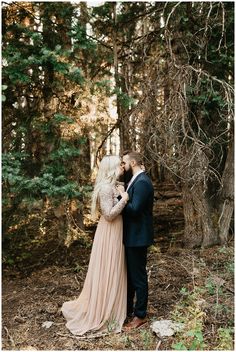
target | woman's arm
[{"x": 108, "y": 210}]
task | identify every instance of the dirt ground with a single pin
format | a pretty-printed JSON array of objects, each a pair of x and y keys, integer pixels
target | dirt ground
[
  {"x": 33, "y": 298},
  {"x": 40, "y": 273}
]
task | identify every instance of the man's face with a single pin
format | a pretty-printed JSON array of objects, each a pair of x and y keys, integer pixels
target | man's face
[
  {"x": 127, "y": 168},
  {"x": 126, "y": 163},
  {"x": 121, "y": 169}
]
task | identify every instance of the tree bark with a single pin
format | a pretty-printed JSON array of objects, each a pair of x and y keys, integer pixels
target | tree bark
[
  {"x": 206, "y": 224},
  {"x": 227, "y": 196},
  {"x": 116, "y": 69},
  {"x": 199, "y": 228},
  {"x": 120, "y": 87}
]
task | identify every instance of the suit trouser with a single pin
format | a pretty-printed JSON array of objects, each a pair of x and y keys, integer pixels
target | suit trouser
[{"x": 136, "y": 259}]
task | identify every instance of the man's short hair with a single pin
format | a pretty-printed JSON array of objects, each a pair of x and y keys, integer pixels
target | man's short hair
[{"x": 134, "y": 156}]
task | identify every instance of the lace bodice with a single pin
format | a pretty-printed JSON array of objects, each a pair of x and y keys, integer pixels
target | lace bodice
[{"x": 110, "y": 206}]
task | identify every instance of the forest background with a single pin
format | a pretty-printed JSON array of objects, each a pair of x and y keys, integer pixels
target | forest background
[{"x": 81, "y": 81}]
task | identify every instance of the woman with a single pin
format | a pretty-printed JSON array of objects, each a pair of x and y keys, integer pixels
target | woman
[{"x": 102, "y": 303}]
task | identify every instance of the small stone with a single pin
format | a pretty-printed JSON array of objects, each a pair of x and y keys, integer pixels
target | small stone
[
  {"x": 196, "y": 272},
  {"x": 19, "y": 319},
  {"x": 51, "y": 309},
  {"x": 47, "y": 324},
  {"x": 166, "y": 327},
  {"x": 201, "y": 303}
]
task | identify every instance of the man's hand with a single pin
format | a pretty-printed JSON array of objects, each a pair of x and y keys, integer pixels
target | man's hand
[
  {"x": 125, "y": 196},
  {"x": 120, "y": 189}
]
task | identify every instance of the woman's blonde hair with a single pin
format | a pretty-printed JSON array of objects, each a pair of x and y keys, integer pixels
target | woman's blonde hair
[{"x": 108, "y": 173}]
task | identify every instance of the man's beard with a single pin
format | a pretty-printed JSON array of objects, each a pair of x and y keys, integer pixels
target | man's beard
[{"x": 127, "y": 176}]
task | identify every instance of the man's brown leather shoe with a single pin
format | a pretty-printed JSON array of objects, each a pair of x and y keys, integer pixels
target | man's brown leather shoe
[
  {"x": 134, "y": 324},
  {"x": 128, "y": 319}
]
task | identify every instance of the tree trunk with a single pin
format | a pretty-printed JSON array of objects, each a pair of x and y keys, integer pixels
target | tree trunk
[
  {"x": 115, "y": 61},
  {"x": 199, "y": 229},
  {"x": 227, "y": 195},
  {"x": 206, "y": 226},
  {"x": 123, "y": 118}
]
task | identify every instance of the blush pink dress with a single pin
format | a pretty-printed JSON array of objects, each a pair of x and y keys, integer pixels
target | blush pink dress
[{"x": 101, "y": 305}]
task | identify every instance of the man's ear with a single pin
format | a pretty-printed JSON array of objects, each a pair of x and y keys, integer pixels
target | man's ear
[{"x": 132, "y": 162}]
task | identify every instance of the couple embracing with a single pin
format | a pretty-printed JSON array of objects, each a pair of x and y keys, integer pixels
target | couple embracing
[{"x": 115, "y": 292}]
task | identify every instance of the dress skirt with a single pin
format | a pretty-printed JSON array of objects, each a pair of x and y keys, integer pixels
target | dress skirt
[{"x": 101, "y": 306}]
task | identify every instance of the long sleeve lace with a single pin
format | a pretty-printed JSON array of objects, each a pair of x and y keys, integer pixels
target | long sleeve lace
[{"x": 108, "y": 209}]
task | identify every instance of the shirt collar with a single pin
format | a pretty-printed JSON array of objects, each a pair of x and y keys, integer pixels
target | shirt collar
[{"x": 133, "y": 178}]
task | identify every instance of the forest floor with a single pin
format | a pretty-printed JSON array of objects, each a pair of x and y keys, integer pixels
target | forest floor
[{"x": 193, "y": 287}]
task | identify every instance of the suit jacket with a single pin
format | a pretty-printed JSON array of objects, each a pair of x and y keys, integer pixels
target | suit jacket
[{"x": 137, "y": 214}]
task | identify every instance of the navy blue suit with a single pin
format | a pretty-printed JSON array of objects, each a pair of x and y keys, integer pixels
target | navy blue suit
[{"x": 138, "y": 235}]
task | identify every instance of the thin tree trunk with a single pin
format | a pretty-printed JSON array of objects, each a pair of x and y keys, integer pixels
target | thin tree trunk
[
  {"x": 115, "y": 59},
  {"x": 123, "y": 117}
]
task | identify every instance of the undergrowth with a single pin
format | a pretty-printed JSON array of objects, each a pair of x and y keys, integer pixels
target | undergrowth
[{"x": 206, "y": 308}]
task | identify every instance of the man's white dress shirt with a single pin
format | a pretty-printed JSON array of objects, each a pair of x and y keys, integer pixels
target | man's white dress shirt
[{"x": 133, "y": 178}]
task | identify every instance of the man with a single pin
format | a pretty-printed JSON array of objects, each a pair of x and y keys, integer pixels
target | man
[{"x": 138, "y": 235}]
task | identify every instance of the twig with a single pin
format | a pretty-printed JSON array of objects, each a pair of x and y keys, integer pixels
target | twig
[
  {"x": 207, "y": 19},
  {"x": 10, "y": 337},
  {"x": 217, "y": 301},
  {"x": 158, "y": 345},
  {"x": 173, "y": 9},
  {"x": 193, "y": 274},
  {"x": 88, "y": 337},
  {"x": 77, "y": 281},
  {"x": 66, "y": 335},
  {"x": 229, "y": 289},
  {"x": 104, "y": 140},
  {"x": 223, "y": 26}
]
